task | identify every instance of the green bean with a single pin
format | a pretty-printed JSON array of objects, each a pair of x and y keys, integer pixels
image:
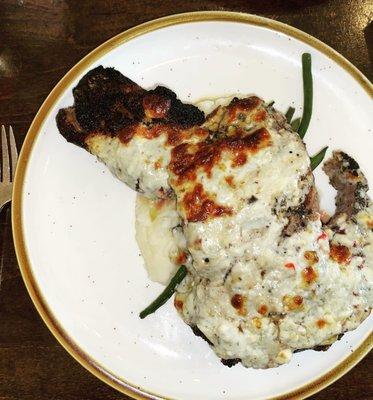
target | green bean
[
  {"x": 295, "y": 124},
  {"x": 317, "y": 158},
  {"x": 166, "y": 294},
  {"x": 307, "y": 94},
  {"x": 289, "y": 114}
]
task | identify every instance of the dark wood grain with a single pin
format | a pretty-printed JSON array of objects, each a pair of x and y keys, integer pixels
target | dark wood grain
[{"x": 39, "y": 42}]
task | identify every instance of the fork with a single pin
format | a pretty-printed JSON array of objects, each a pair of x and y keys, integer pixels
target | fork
[{"x": 8, "y": 169}]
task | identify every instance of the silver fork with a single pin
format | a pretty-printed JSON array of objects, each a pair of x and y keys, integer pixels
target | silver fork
[{"x": 8, "y": 167}]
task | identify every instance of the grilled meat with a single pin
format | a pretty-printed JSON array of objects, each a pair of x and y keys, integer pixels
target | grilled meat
[
  {"x": 130, "y": 129},
  {"x": 266, "y": 277},
  {"x": 351, "y": 228}
]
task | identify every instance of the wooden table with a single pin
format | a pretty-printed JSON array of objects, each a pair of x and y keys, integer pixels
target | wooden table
[{"x": 39, "y": 42}]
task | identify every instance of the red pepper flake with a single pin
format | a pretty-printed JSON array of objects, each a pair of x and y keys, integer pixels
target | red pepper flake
[
  {"x": 263, "y": 309},
  {"x": 230, "y": 181},
  {"x": 339, "y": 253},
  {"x": 290, "y": 266},
  {"x": 322, "y": 236},
  {"x": 321, "y": 323},
  {"x": 309, "y": 275},
  {"x": 238, "y": 302},
  {"x": 157, "y": 165},
  {"x": 181, "y": 257},
  {"x": 178, "y": 304}
]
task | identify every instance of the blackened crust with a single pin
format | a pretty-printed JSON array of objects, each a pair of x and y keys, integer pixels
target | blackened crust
[
  {"x": 179, "y": 113},
  {"x": 352, "y": 164},
  {"x": 199, "y": 333},
  {"x": 324, "y": 347},
  {"x": 230, "y": 362},
  {"x": 105, "y": 102},
  {"x": 69, "y": 126},
  {"x": 321, "y": 347}
]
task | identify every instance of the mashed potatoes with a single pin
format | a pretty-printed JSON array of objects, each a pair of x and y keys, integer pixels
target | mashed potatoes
[{"x": 160, "y": 238}]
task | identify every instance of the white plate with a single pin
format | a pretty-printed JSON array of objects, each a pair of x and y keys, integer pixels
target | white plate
[{"x": 74, "y": 223}]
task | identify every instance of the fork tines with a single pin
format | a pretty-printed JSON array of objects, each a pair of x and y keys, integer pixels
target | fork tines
[{"x": 9, "y": 155}]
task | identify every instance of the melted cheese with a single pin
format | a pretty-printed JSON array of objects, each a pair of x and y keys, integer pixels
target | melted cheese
[
  {"x": 141, "y": 164},
  {"x": 256, "y": 294}
]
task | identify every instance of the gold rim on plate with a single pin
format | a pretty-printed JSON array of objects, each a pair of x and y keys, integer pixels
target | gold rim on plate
[{"x": 19, "y": 240}]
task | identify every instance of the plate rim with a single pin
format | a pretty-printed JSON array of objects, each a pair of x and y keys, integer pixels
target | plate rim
[{"x": 306, "y": 390}]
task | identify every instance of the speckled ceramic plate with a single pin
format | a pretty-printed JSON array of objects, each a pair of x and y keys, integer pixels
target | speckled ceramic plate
[{"x": 74, "y": 223}]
